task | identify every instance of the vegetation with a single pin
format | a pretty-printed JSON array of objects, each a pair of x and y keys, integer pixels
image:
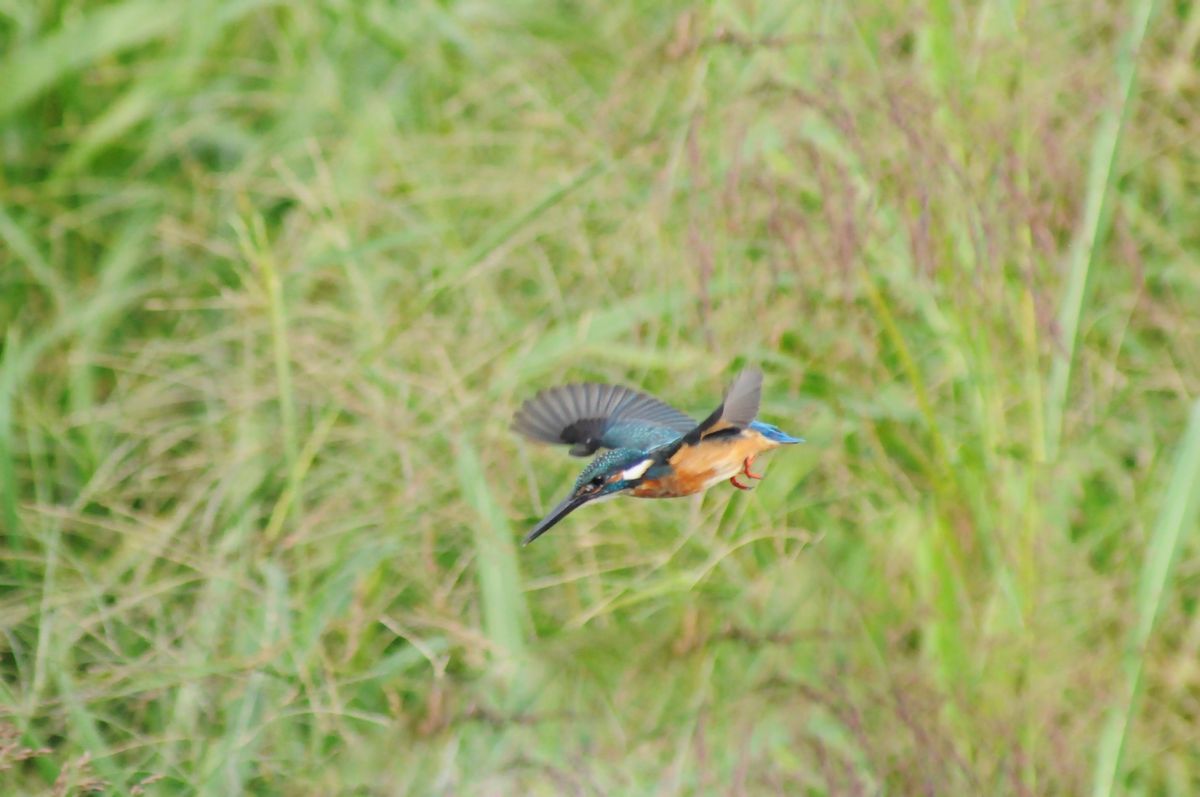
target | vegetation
[{"x": 274, "y": 277}]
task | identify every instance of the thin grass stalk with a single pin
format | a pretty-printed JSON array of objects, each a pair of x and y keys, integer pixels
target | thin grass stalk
[
  {"x": 1176, "y": 517},
  {"x": 1094, "y": 225}
]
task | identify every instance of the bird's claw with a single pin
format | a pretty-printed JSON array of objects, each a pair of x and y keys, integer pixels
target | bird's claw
[{"x": 746, "y": 468}]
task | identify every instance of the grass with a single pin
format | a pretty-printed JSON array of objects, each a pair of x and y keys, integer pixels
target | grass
[
  {"x": 1177, "y": 516},
  {"x": 273, "y": 280}
]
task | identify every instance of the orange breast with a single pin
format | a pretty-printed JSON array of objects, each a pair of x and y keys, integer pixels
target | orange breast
[{"x": 696, "y": 468}]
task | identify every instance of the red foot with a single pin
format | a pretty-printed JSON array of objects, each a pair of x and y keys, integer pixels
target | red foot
[
  {"x": 733, "y": 480},
  {"x": 746, "y": 469}
]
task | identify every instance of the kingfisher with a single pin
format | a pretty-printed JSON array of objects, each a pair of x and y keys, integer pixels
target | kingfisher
[{"x": 653, "y": 449}]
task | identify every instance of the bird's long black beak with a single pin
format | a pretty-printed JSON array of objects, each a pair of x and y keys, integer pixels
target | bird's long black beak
[{"x": 568, "y": 505}]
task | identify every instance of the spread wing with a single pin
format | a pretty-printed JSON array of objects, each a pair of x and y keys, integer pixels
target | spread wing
[
  {"x": 590, "y": 416},
  {"x": 736, "y": 412}
]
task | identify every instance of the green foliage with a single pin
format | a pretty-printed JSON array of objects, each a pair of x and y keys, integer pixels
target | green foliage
[{"x": 274, "y": 277}]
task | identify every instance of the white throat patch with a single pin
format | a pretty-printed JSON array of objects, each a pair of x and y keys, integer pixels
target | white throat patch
[{"x": 636, "y": 471}]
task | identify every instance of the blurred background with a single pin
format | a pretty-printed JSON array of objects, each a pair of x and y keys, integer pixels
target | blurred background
[{"x": 274, "y": 278}]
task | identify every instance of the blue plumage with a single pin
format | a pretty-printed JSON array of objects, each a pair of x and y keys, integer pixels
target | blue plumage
[{"x": 640, "y": 435}]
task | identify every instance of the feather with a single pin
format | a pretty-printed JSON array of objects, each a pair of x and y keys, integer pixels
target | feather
[
  {"x": 589, "y": 416},
  {"x": 737, "y": 411}
]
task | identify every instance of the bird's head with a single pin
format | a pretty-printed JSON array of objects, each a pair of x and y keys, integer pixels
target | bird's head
[{"x": 608, "y": 475}]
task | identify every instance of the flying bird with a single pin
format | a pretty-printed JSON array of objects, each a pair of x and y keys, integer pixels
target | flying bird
[{"x": 653, "y": 449}]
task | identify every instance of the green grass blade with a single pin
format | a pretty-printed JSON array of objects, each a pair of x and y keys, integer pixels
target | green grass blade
[
  {"x": 1175, "y": 518},
  {"x": 28, "y": 253},
  {"x": 32, "y": 69},
  {"x": 1094, "y": 225},
  {"x": 505, "y": 231},
  {"x": 504, "y": 609},
  {"x": 8, "y": 476},
  {"x": 133, "y": 108},
  {"x": 943, "y": 45},
  {"x": 117, "y": 289},
  {"x": 295, "y": 477},
  {"x": 257, "y": 251}
]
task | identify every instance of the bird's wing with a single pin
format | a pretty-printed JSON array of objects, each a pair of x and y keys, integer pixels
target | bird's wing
[
  {"x": 736, "y": 412},
  {"x": 590, "y": 416}
]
